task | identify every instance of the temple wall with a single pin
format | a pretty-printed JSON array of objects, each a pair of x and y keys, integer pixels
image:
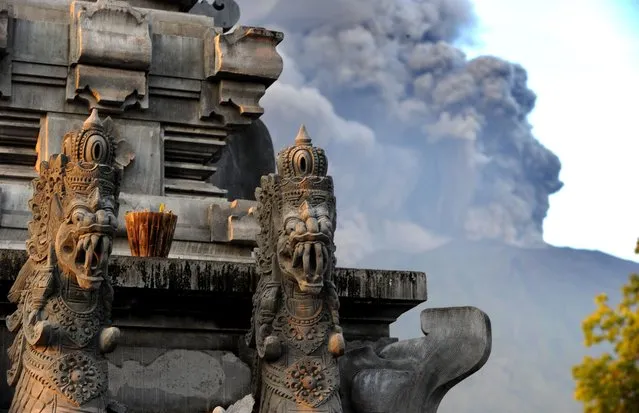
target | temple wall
[
  {"x": 183, "y": 324},
  {"x": 176, "y": 88}
]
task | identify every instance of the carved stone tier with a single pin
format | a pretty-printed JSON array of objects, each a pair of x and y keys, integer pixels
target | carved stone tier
[
  {"x": 207, "y": 228},
  {"x": 180, "y": 316},
  {"x": 172, "y": 80}
]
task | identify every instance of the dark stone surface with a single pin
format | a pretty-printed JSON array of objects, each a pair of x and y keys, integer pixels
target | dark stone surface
[
  {"x": 217, "y": 295},
  {"x": 247, "y": 157},
  {"x": 181, "y": 5},
  {"x": 5, "y": 341},
  {"x": 205, "y": 297}
]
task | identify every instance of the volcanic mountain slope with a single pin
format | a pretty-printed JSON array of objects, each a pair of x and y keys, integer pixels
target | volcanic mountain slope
[{"x": 536, "y": 299}]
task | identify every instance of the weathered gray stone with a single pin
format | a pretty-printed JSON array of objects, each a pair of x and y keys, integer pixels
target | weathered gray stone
[
  {"x": 182, "y": 144},
  {"x": 157, "y": 380},
  {"x": 39, "y": 74},
  {"x": 233, "y": 54},
  {"x": 234, "y": 222},
  {"x": 52, "y": 46},
  {"x": 5, "y": 78},
  {"x": 164, "y": 62},
  {"x": 181, "y": 24},
  {"x": 106, "y": 88},
  {"x": 413, "y": 376},
  {"x": 405, "y": 287},
  {"x": 193, "y": 213},
  {"x": 172, "y": 5},
  {"x": 233, "y": 103},
  {"x": 110, "y": 33},
  {"x": 245, "y": 405}
]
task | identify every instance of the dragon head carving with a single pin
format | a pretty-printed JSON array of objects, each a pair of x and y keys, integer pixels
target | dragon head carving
[
  {"x": 297, "y": 215},
  {"x": 75, "y": 204}
]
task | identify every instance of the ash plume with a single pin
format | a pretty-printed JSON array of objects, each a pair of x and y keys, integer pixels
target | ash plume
[{"x": 467, "y": 162}]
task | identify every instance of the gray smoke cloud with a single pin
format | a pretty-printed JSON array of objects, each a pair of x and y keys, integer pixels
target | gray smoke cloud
[{"x": 417, "y": 133}]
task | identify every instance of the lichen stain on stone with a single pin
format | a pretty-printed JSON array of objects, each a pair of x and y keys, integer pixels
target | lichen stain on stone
[
  {"x": 179, "y": 276},
  {"x": 348, "y": 283}
]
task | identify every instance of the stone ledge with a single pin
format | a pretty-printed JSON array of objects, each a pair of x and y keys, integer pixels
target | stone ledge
[
  {"x": 156, "y": 295},
  {"x": 230, "y": 277}
]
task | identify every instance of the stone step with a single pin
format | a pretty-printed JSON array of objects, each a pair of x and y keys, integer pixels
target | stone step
[
  {"x": 182, "y": 148},
  {"x": 188, "y": 171},
  {"x": 18, "y": 156},
  {"x": 192, "y": 144},
  {"x": 186, "y": 187},
  {"x": 18, "y": 140}
]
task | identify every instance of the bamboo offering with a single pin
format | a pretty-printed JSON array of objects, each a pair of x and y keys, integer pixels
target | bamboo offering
[{"x": 150, "y": 233}]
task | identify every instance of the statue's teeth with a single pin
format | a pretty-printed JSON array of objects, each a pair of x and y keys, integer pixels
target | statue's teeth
[
  {"x": 319, "y": 259},
  {"x": 306, "y": 259},
  {"x": 297, "y": 255}
]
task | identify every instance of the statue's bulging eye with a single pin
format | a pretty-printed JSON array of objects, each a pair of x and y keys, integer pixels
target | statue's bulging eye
[
  {"x": 77, "y": 217},
  {"x": 96, "y": 149},
  {"x": 303, "y": 162}
]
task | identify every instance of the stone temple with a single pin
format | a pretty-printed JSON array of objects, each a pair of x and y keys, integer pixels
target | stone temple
[{"x": 110, "y": 106}]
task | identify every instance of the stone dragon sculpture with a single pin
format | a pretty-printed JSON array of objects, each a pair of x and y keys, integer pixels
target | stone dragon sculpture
[
  {"x": 413, "y": 376},
  {"x": 63, "y": 296},
  {"x": 295, "y": 325}
]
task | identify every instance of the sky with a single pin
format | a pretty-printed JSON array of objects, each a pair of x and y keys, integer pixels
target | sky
[
  {"x": 583, "y": 62},
  {"x": 448, "y": 119}
]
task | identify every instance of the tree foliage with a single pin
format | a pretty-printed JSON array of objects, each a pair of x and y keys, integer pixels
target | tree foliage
[{"x": 610, "y": 383}]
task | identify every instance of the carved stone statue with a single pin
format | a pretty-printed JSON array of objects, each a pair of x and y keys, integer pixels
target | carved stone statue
[
  {"x": 63, "y": 295},
  {"x": 295, "y": 325}
]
